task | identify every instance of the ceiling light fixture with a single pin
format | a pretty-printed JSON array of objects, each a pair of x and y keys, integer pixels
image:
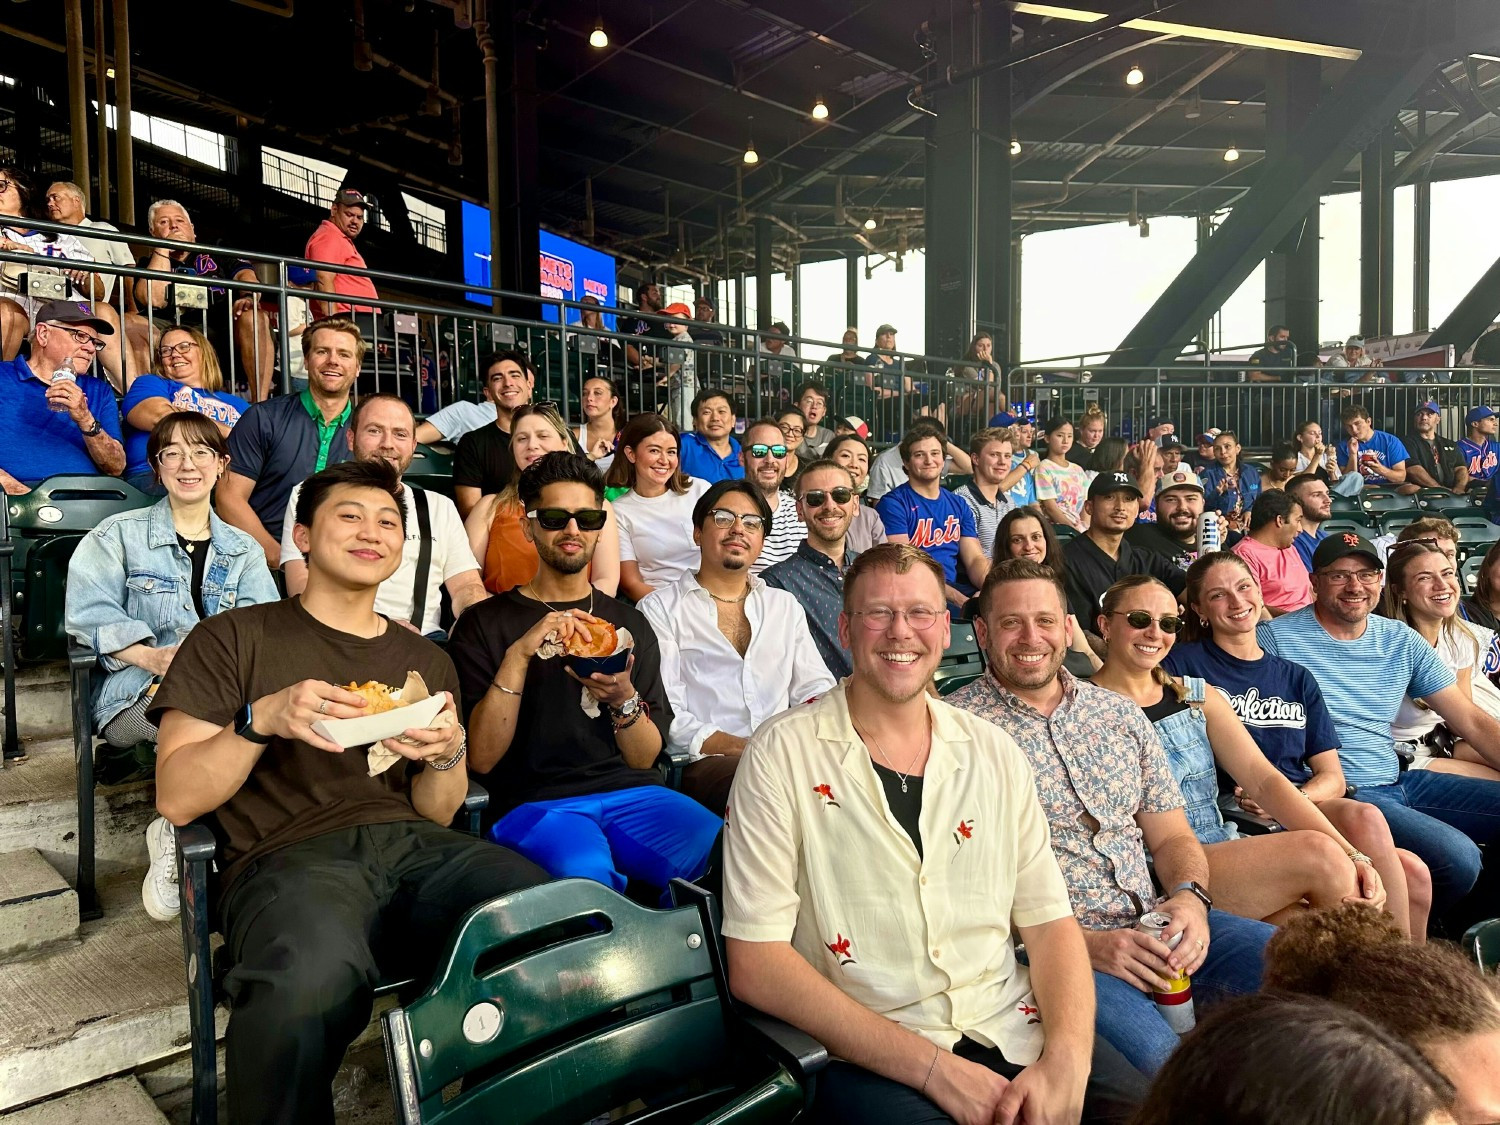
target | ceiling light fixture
[
  {"x": 870, "y": 223},
  {"x": 751, "y": 156},
  {"x": 1015, "y": 147},
  {"x": 599, "y": 37},
  {"x": 1194, "y": 31},
  {"x": 1195, "y": 107},
  {"x": 1135, "y": 76},
  {"x": 1231, "y": 154},
  {"x": 819, "y": 110}
]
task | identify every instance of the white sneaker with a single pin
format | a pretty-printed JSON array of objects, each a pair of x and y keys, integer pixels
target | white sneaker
[{"x": 159, "y": 890}]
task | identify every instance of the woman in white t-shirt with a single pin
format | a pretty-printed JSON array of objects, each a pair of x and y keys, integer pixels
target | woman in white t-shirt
[
  {"x": 1422, "y": 589},
  {"x": 656, "y": 511}
]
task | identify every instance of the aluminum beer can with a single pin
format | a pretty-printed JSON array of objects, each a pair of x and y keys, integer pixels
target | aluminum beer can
[
  {"x": 1176, "y": 1003},
  {"x": 1208, "y": 533}
]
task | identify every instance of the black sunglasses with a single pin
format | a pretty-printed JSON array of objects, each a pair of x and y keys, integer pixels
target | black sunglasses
[
  {"x": 815, "y": 497},
  {"x": 776, "y": 451},
  {"x": 555, "y": 519},
  {"x": 1140, "y": 619}
]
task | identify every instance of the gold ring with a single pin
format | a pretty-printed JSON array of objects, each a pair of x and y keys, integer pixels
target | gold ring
[{"x": 1200, "y": 943}]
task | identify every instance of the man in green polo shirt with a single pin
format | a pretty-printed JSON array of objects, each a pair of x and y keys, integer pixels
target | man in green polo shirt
[{"x": 281, "y": 442}]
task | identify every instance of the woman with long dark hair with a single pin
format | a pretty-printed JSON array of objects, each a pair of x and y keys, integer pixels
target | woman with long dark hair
[
  {"x": 656, "y": 511},
  {"x": 1024, "y": 533}
]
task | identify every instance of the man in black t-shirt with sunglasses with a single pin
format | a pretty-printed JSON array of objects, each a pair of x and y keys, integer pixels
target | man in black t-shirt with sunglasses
[{"x": 567, "y": 755}]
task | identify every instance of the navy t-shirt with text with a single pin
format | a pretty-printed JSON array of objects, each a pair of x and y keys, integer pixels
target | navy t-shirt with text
[
  {"x": 1278, "y": 701},
  {"x": 935, "y": 526}
]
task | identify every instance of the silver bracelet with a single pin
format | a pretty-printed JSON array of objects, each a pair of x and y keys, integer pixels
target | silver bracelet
[
  {"x": 463, "y": 748},
  {"x": 936, "y": 1051}
]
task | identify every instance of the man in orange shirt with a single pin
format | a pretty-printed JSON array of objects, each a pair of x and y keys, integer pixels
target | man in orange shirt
[{"x": 333, "y": 243}]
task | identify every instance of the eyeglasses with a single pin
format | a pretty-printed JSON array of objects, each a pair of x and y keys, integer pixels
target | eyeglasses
[
  {"x": 815, "y": 497},
  {"x": 1344, "y": 577},
  {"x": 724, "y": 519},
  {"x": 171, "y": 458},
  {"x": 793, "y": 431},
  {"x": 81, "y": 338},
  {"x": 919, "y": 617},
  {"x": 166, "y": 351},
  {"x": 6, "y": 185},
  {"x": 776, "y": 451},
  {"x": 555, "y": 519},
  {"x": 1140, "y": 619}
]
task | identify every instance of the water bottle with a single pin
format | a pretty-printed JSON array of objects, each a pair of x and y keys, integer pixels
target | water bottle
[
  {"x": 63, "y": 374},
  {"x": 1208, "y": 533}
]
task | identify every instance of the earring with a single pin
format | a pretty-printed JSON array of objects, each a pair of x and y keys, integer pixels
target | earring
[{"x": 1203, "y": 621}]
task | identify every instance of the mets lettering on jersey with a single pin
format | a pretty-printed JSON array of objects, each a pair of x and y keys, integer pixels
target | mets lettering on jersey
[{"x": 925, "y": 536}]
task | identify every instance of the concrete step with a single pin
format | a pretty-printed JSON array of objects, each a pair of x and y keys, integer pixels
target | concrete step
[
  {"x": 120, "y": 1101},
  {"x": 38, "y": 908},
  {"x": 103, "y": 1006},
  {"x": 38, "y": 809},
  {"x": 43, "y": 708}
]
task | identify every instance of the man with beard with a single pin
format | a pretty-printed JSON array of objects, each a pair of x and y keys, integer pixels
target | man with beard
[
  {"x": 574, "y": 787},
  {"x": 764, "y": 456},
  {"x": 1101, "y": 556},
  {"x": 734, "y": 651},
  {"x": 1312, "y": 493},
  {"x": 1366, "y": 665},
  {"x": 483, "y": 463},
  {"x": 1106, "y": 789},
  {"x": 1435, "y": 461},
  {"x": 382, "y": 428},
  {"x": 1174, "y": 535},
  {"x": 882, "y": 849},
  {"x": 827, "y": 504}
]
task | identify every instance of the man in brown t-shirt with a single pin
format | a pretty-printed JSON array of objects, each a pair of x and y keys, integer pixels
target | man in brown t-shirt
[{"x": 318, "y": 855}]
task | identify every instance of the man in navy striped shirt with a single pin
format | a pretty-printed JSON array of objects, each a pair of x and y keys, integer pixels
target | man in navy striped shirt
[{"x": 1365, "y": 666}]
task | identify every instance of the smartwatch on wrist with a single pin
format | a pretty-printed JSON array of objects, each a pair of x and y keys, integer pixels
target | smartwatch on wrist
[
  {"x": 243, "y": 718},
  {"x": 1196, "y": 891}
]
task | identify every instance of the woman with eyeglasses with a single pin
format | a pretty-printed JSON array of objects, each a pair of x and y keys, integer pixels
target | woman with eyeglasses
[
  {"x": 1421, "y": 588},
  {"x": 187, "y": 377},
  {"x": 498, "y": 527},
  {"x": 1271, "y": 877},
  {"x": 1024, "y": 533},
  {"x": 656, "y": 513},
  {"x": 140, "y": 581},
  {"x": 1283, "y": 710},
  {"x": 793, "y": 425}
]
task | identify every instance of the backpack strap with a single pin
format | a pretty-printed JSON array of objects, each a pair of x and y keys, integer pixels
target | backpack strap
[{"x": 424, "y": 556}]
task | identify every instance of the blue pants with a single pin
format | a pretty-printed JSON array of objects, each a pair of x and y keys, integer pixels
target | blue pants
[
  {"x": 1127, "y": 1017},
  {"x": 648, "y": 832},
  {"x": 1442, "y": 817}
]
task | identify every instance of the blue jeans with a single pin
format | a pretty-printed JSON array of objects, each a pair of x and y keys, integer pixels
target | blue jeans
[
  {"x": 1441, "y": 817},
  {"x": 1127, "y": 1018},
  {"x": 648, "y": 832}
]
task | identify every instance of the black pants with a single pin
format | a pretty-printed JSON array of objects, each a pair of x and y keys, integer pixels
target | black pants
[
  {"x": 313, "y": 927},
  {"x": 850, "y": 1095}
]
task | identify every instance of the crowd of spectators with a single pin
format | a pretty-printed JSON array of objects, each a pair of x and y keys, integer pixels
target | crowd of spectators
[{"x": 785, "y": 597}]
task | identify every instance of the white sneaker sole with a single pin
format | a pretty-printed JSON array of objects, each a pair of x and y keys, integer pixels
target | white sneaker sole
[{"x": 154, "y": 906}]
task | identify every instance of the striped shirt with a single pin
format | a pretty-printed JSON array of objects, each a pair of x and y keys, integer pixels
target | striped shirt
[
  {"x": 1363, "y": 682},
  {"x": 787, "y": 530},
  {"x": 987, "y": 516}
]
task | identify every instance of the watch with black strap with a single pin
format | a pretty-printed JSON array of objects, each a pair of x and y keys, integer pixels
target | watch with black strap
[
  {"x": 1196, "y": 890},
  {"x": 243, "y": 718},
  {"x": 95, "y": 430}
]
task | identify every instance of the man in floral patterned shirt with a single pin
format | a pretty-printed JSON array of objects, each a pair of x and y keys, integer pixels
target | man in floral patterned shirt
[
  {"x": 1106, "y": 788},
  {"x": 872, "y": 882}
]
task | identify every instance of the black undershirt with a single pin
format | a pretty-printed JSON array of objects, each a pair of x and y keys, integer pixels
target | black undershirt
[
  {"x": 1165, "y": 707},
  {"x": 197, "y": 553},
  {"x": 905, "y": 807}
]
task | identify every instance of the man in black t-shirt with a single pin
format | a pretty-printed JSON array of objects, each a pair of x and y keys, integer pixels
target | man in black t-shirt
[
  {"x": 319, "y": 854},
  {"x": 569, "y": 758},
  {"x": 483, "y": 464},
  {"x": 1435, "y": 462}
]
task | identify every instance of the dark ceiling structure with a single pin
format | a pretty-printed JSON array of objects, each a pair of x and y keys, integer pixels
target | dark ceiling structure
[{"x": 642, "y": 141}]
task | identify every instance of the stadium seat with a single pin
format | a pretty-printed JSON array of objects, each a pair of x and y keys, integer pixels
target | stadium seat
[
  {"x": 1482, "y": 943},
  {"x": 1439, "y": 500},
  {"x": 1333, "y": 526},
  {"x": 1064, "y": 532},
  {"x": 1469, "y": 573},
  {"x": 565, "y": 1001},
  {"x": 956, "y": 481},
  {"x": 1364, "y": 520},
  {"x": 963, "y": 661},
  {"x": 207, "y": 966},
  {"x": 1391, "y": 523},
  {"x": 1378, "y": 502},
  {"x": 1341, "y": 504},
  {"x": 431, "y": 468}
]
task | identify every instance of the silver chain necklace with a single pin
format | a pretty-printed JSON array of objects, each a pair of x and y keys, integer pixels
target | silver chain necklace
[
  {"x": 909, "y": 765},
  {"x": 553, "y": 608}
]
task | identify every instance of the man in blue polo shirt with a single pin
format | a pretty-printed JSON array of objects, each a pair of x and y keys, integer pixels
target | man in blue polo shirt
[
  {"x": 925, "y": 514},
  {"x": 1374, "y": 454},
  {"x": 69, "y": 425},
  {"x": 710, "y": 452},
  {"x": 279, "y": 443},
  {"x": 1366, "y": 664}
]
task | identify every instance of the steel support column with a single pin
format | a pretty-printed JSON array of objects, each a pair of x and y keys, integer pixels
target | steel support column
[
  {"x": 851, "y": 290},
  {"x": 1471, "y": 316},
  {"x": 763, "y": 267},
  {"x": 124, "y": 149},
  {"x": 520, "y": 262},
  {"x": 1292, "y": 91},
  {"x": 794, "y": 274},
  {"x": 1345, "y": 122},
  {"x": 1377, "y": 234},
  {"x": 101, "y": 118},
  {"x": 1421, "y": 279},
  {"x": 78, "y": 101},
  {"x": 993, "y": 245}
]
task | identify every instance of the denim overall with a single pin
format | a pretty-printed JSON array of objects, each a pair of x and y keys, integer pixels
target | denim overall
[{"x": 1184, "y": 736}]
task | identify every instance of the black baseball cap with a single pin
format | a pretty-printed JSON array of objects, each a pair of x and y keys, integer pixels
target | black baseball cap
[
  {"x": 71, "y": 312},
  {"x": 1106, "y": 483},
  {"x": 1342, "y": 544}
]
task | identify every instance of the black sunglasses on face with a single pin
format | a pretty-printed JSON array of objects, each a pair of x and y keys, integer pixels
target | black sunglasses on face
[
  {"x": 776, "y": 451},
  {"x": 555, "y": 519},
  {"x": 1140, "y": 619},
  {"x": 815, "y": 497}
]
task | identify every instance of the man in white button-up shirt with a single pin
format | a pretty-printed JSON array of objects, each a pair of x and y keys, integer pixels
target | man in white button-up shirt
[
  {"x": 880, "y": 849},
  {"x": 734, "y": 651}
]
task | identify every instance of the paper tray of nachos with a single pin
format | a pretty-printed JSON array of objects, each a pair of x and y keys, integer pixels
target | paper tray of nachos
[{"x": 408, "y": 707}]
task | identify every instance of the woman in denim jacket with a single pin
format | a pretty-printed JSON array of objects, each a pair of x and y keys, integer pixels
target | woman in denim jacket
[
  {"x": 1269, "y": 877},
  {"x": 141, "y": 580}
]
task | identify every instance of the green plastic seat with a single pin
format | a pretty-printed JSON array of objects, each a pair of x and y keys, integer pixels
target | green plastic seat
[
  {"x": 1439, "y": 500},
  {"x": 566, "y": 1000},
  {"x": 1342, "y": 523},
  {"x": 1469, "y": 573},
  {"x": 1391, "y": 523},
  {"x": 1379, "y": 501},
  {"x": 963, "y": 661},
  {"x": 431, "y": 468},
  {"x": 1482, "y": 943}
]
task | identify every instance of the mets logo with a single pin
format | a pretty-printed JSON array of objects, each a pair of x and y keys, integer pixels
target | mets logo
[{"x": 1351, "y": 539}]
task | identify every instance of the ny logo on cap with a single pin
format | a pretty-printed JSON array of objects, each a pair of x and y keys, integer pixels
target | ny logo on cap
[{"x": 1351, "y": 539}]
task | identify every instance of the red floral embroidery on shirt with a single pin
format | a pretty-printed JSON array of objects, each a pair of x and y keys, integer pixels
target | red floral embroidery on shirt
[
  {"x": 964, "y": 832},
  {"x": 826, "y": 792},
  {"x": 839, "y": 947},
  {"x": 1032, "y": 1013}
]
